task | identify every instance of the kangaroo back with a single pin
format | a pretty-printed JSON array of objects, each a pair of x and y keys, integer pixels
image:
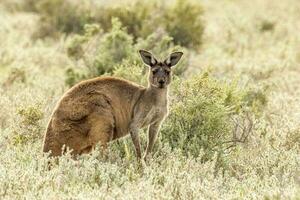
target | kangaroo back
[{"x": 93, "y": 110}]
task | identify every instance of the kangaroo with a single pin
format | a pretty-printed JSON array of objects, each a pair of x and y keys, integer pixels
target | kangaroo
[{"x": 104, "y": 109}]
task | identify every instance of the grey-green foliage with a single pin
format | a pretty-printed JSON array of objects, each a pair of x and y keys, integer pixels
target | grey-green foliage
[
  {"x": 28, "y": 128},
  {"x": 182, "y": 20},
  {"x": 116, "y": 53},
  {"x": 184, "y": 23},
  {"x": 62, "y": 16},
  {"x": 100, "y": 52},
  {"x": 132, "y": 71},
  {"x": 201, "y": 115},
  {"x": 266, "y": 26},
  {"x": 115, "y": 46}
]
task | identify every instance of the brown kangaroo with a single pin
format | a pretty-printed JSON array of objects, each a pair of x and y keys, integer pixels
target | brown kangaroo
[{"x": 106, "y": 108}]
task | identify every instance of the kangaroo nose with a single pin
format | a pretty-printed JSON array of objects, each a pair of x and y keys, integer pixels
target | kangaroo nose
[{"x": 161, "y": 81}]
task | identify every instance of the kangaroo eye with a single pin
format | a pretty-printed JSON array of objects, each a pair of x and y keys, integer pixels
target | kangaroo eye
[
  {"x": 154, "y": 72},
  {"x": 167, "y": 72}
]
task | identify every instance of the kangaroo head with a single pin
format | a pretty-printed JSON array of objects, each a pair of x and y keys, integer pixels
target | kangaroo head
[{"x": 160, "y": 72}]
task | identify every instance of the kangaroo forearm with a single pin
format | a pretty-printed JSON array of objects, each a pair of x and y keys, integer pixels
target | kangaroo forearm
[
  {"x": 150, "y": 144},
  {"x": 152, "y": 135},
  {"x": 136, "y": 142}
]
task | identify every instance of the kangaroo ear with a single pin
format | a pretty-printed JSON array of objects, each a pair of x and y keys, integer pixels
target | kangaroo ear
[
  {"x": 173, "y": 59},
  {"x": 148, "y": 58}
]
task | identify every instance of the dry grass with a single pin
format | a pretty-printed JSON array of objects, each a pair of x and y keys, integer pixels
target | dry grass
[{"x": 256, "y": 41}]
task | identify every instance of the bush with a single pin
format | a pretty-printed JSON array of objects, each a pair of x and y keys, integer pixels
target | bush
[
  {"x": 75, "y": 46},
  {"x": 133, "y": 16},
  {"x": 182, "y": 20},
  {"x": 184, "y": 23},
  {"x": 28, "y": 128},
  {"x": 141, "y": 19},
  {"x": 17, "y": 5},
  {"x": 74, "y": 76},
  {"x": 206, "y": 114},
  {"x": 132, "y": 72},
  {"x": 103, "y": 53},
  {"x": 116, "y": 46},
  {"x": 99, "y": 53},
  {"x": 266, "y": 26},
  {"x": 62, "y": 16}
]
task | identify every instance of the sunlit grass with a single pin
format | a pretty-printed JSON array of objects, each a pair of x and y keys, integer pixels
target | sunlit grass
[{"x": 255, "y": 43}]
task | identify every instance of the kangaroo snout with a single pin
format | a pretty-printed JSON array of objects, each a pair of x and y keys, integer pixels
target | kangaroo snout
[{"x": 161, "y": 82}]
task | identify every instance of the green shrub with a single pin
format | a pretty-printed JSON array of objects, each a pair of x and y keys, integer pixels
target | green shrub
[
  {"x": 116, "y": 46},
  {"x": 184, "y": 24},
  {"x": 74, "y": 76},
  {"x": 103, "y": 53},
  {"x": 20, "y": 5},
  {"x": 74, "y": 48},
  {"x": 62, "y": 16},
  {"x": 181, "y": 20},
  {"x": 204, "y": 114},
  {"x": 82, "y": 44},
  {"x": 133, "y": 16},
  {"x": 266, "y": 26},
  {"x": 30, "y": 115},
  {"x": 100, "y": 53},
  {"x": 28, "y": 128},
  {"x": 131, "y": 71}
]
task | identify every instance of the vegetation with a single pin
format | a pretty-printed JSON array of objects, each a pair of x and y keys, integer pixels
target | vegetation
[
  {"x": 233, "y": 126},
  {"x": 141, "y": 18},
  {"x": 108, "y": 53},
  {"x": 203, "y": 116}
]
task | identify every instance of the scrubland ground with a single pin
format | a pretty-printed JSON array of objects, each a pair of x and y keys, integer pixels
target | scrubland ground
[{"x": 253, "y": 43}]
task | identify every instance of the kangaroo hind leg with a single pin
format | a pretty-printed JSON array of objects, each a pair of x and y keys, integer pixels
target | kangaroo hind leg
[{"x": 101, "y": 131}]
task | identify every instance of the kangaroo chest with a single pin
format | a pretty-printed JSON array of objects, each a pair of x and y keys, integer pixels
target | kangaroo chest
[
  {"x": 153, "y": 115},
  {"x": 150, "y": 115},
  {"x": 152, "y": 107}
]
